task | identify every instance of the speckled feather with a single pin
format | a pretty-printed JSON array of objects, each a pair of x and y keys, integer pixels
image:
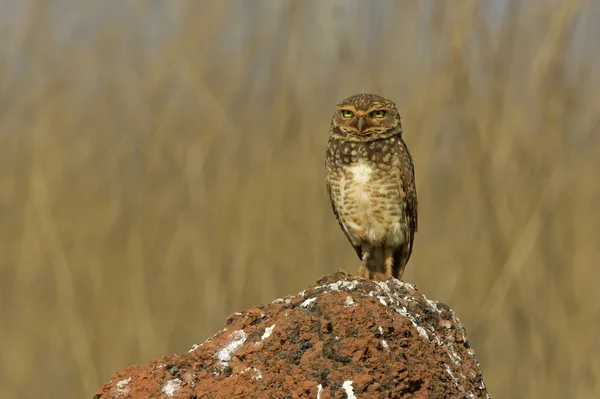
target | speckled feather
[{"x": 370, "y": 182}]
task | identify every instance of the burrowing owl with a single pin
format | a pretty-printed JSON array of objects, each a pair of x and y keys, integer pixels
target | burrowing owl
[{"x": 371, "y": 184}]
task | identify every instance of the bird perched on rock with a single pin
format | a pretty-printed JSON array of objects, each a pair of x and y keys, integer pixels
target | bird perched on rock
[{"x": 371, "y": 184}]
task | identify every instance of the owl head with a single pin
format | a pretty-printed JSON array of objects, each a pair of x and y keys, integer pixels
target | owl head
[{"x": 365, "y": 117}]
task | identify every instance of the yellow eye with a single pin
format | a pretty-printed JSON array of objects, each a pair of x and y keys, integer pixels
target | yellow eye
[
  {"x": 347, "y": 114},
  {"x": 378, "y": 114}
]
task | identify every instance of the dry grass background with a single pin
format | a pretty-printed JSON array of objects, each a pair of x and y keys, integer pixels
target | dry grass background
[{"x": 161, "y": 166}]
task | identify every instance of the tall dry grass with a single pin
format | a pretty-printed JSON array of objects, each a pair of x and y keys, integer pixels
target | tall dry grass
[{"x": 161, "y": 166}]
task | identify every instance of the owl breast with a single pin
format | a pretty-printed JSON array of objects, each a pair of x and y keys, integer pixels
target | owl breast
[{"x": 369, "y": 205}]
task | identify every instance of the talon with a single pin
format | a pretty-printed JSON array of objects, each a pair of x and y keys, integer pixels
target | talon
[{"x": 364, "y": 270}]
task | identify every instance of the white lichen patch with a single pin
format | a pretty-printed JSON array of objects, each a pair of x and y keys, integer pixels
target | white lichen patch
[
  {"x": 347, "y": 385},
  {"x": 383, "y": 285},
  {"x": 456, "y": 380},
  {"x": 123, "y": 386},
  {"x": 196, "y": 346},
  {"x": 349, "y": 301},
  {"x": 454, "y": 356},
  {"x": 257, "y": 373},
  {"x": 413, "y": 319},
  {"x": 433, "y": 305},
  {"x": 319, "y": 390},
  {"x": 339, "y": 285},
  {"x": 307, "y": 302},
  {"x": 171, "y": 386},
  {"x": 422, "y": 332},
  {"x": 237, "y": 339},
  {"x": 384, "y": 344},
  {"x": 267, "y": 333}
]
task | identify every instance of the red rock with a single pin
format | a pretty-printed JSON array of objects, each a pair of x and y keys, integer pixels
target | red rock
[{"x": 343, "y": 338}]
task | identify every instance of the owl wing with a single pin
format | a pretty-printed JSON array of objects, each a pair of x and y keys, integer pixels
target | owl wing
[
  {"x": 407, "y": 174},
  {"x": 357, "y": 248}
]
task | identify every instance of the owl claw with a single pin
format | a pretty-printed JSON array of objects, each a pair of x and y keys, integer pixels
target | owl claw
[{"x": 363, "y": 272}]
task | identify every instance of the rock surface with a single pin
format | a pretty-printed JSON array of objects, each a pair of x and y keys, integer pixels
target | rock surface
[{"x": 343, "y": 338}]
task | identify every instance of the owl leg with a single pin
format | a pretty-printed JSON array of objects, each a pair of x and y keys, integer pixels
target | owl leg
[
  {"x": 388, "y": 261},
  {"x": 366, "y": 254}
]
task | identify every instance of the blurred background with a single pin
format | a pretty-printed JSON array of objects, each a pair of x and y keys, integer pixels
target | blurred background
[{"x": 162, "y": 166}]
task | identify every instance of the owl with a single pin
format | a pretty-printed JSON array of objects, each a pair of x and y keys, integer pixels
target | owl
[{"x": 371, "y": 184}]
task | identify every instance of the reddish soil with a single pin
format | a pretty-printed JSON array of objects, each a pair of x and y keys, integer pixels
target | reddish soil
[{"x": 343, "y": 338}]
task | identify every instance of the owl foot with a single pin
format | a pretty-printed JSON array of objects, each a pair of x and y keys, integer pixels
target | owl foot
[
  {"x": 363, "y": 271},
  {"x": 380, "y": 276}
]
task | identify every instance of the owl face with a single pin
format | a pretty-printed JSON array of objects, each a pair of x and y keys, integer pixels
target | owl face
[{"x": 366, "y": 116}]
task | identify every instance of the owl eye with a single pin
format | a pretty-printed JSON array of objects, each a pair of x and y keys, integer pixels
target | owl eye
[
  {"x": 378, "y": 114},
  {"x": 347, "y": 114}
]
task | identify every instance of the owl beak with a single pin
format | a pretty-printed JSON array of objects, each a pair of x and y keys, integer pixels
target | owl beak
[{"x": 361, "y": 124}]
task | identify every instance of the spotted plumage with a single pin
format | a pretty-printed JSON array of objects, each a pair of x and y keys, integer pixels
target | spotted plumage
[{"x": 370, "y": 181}]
